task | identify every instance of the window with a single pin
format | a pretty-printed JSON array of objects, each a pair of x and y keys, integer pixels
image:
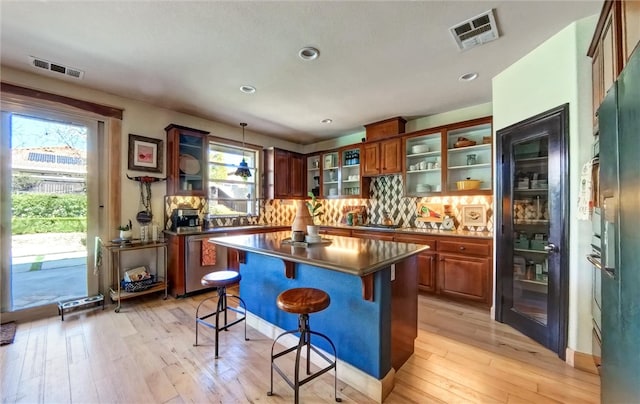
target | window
[{"x": 230, "y": 194}]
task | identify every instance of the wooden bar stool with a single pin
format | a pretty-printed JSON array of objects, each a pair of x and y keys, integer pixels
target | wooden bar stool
[
  {"x": 220, "y": 280},
  {"x": 303, "y": 301}
]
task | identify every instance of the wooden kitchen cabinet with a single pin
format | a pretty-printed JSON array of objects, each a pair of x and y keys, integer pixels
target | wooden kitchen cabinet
[
  {"x": 454, "y": 267},
  {"x": 427, "y": 261},
  {"x": 187, "y": 161},
  {"x": 459, "y": 268},
  {"x": 611, "y": 46},
  {"x": 382, "y": 158},
  {"x": 285, "y": 174},
  {"x": 385, "y": 129},
  {"x": 630, "y": 28},
  {"x": 464, "y": 277},
  {"x": 435, "y": 162}
]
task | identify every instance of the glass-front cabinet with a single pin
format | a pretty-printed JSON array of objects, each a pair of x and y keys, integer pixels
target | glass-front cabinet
[
  {"x": 187, "y": 167},
  {"x": 423, "y": 164},
  {"x": 350, "y": 178},
  {"x": 469, "y": 159},
  {"x": 330, "y": 174},
  {"x": 313, "y": 174}
]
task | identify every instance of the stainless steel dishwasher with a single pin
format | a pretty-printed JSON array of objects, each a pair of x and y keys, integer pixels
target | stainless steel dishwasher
[{"x": 194, "y": 267}]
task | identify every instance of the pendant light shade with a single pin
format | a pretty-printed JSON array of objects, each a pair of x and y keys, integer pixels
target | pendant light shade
[{"x": 243, "y": 170}]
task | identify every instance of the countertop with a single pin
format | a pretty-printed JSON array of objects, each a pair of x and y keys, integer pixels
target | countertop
[
  {"x": 355, "y": 256},
  {"x": 215, "y": 230},
  {"x": 403, "y": 230},
  {"x": 419, "y": 230}
]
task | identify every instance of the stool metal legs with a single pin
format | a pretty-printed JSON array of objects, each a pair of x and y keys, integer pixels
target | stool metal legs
[
  {"x": 221, "y": 308},
  {"x": 304, "y": 341}
]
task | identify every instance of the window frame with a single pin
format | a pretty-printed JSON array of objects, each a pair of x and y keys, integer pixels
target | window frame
[{"x": 249, "y": 148}]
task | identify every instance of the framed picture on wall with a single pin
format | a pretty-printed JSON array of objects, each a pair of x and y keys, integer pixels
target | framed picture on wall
[
  {"x": 145, "y": 154},
  {"x": 473, "y": 215}
]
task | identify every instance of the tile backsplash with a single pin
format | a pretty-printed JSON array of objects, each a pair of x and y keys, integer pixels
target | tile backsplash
[{"x": 386, "y": 194}]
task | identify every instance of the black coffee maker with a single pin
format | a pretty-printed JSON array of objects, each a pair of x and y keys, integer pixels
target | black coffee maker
[
  {"x": 185, "y": 220},
  {"x": 316, "y": 186}
]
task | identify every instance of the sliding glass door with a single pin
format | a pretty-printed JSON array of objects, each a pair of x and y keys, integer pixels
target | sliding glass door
[{"x": 47, "y": 210}]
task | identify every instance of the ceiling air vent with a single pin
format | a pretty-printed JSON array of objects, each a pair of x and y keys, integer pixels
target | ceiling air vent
[
  {"x": 475, "y": 31},
  {"x": 56, "y": 68}
]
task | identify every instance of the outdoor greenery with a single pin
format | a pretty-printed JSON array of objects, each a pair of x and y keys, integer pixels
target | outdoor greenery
[{"x": 45, "y": 213}]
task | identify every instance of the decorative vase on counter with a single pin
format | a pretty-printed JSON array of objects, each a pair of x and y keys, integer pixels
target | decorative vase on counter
[
  {"x": 125, "y": 234},
  {"x": 303, "y": 217}
]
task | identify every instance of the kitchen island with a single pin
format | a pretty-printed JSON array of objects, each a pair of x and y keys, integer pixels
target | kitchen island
[{"x": 372, "y": 318}]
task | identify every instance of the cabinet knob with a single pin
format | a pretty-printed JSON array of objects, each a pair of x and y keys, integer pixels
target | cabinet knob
[{"x": 461, "y": 248}]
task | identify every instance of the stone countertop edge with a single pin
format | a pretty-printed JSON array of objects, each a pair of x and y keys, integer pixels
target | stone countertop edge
[
  {"x": 419, "y": 230},
  {"x": 249, "y": 243},
  {"x": 404, "y": 230},
  {"x": 214, "y": 230}
]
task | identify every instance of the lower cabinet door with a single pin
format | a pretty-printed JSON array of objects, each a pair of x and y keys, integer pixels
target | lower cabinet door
[
  {"x": 427, "y": 272},
  {"x": 464, "y": 277}
]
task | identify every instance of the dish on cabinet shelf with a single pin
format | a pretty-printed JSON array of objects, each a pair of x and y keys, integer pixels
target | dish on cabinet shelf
[
  {"x": 419, "y": 148},
  {"x": 189, "y": 164},
  {"x": 464, "y": 143}
]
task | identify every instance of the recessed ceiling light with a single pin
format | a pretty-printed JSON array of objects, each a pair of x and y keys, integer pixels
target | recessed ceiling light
[
  {"x": 248, "y": 89},
  {"x": 327, "y": 120},
  {"x": 308, "y": 53},
  {"x": 468, "y": 77}
]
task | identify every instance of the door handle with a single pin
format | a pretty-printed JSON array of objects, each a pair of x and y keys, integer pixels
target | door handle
[
  {"x": 551, "y": 248},
  {"x": 595, "y": 261}
]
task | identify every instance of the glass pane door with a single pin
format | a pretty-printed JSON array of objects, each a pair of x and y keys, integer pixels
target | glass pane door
[
  {"x": 49, "y": 211},
  {"x": 330, "y": 170},
  {"x": 531, "y": 228},
  {"x": 350, "y": 172}
]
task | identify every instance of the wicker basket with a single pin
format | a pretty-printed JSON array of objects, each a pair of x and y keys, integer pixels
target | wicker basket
[{"x": 137, "y": 286}]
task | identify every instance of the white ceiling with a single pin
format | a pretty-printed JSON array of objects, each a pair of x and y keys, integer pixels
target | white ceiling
[{"x": 377, "y": 59}]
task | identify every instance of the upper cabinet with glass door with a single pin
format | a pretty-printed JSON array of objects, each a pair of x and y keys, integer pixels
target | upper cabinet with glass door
[
  {"x": 469, "y": 159},
  {"x": 423, "y": 164},
  {"x": 330, "y": 174},
  {"x": 186, "y": 161},
  {"x": 313, "y": 174},
  {"x": 350, "y": 175}
]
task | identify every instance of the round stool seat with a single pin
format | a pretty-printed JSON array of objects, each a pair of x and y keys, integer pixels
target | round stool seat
[
  {"x": 220, "y": 278},
  {"x": 303, "y": 300}
]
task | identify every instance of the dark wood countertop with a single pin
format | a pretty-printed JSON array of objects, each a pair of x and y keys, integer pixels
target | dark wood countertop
[
  {"x": 231, "y": 229},
  {"x": 355, "y": 256},
  {"x": 402, "y": 230},
  {"x": 418, "y": 231}
]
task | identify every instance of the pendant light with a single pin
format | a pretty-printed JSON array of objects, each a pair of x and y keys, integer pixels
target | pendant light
[{"x": 243, "y": 170}]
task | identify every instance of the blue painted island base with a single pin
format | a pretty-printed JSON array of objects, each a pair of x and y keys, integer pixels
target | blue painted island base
[{"x": 372, "y": 337}]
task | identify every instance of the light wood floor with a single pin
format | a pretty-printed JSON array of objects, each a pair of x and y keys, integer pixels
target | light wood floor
[{"x": 145, "y": 354}]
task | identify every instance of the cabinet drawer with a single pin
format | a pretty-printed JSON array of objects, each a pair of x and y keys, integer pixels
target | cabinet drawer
[
  {"x": 407, "y": 238},
  {"x": 462, "y": 247}
]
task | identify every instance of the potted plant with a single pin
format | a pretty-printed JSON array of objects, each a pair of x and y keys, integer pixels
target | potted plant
[
  {"x": 315, "y": 210},
  {"x": 125, "y": 231}
]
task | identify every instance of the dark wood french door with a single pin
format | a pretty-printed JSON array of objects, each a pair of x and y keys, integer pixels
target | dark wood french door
[{"x": 532, "y": 228}]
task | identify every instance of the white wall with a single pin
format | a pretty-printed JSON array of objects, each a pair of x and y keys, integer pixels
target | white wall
[
  {"x": 431, "y": 121},
  {"x": 142, "y": 119},
  {"x": 555, "y": 73}
]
